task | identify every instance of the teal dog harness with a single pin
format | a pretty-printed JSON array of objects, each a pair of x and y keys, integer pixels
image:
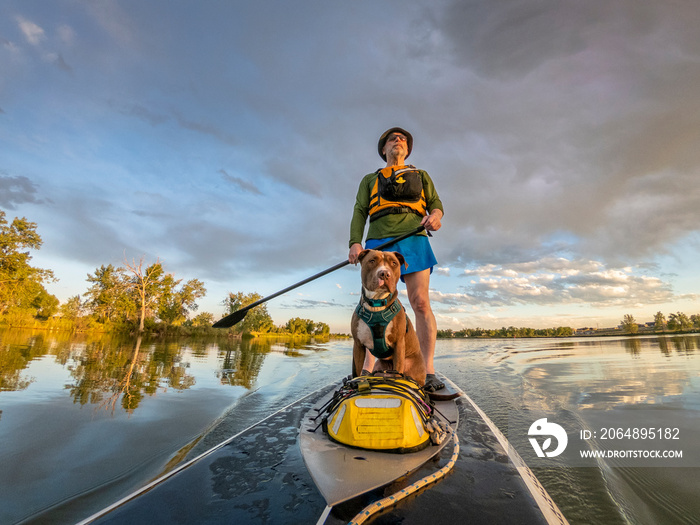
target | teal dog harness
[{"x": 378, "y": 321}]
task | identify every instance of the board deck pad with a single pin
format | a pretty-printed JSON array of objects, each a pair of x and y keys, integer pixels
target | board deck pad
[
  {"x": 483, "y": 488},
  {"x": 342, "y": 473},
  {"x": 258, "y": 476}
]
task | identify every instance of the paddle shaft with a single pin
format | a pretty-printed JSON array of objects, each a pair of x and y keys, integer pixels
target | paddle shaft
[{"x": 238, "y": 315}]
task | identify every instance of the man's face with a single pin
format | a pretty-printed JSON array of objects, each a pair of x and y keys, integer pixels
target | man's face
[{"x": 396, "y": 140}]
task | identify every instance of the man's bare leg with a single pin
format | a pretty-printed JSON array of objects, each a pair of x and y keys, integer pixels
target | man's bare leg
[{"x": 418, "y": 288}]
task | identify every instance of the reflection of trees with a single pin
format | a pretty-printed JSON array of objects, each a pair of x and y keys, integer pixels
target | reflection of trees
[
  {"x": 130, "y": 393},
  {"x": 681, "y": 343},
  {"x": 243, "y": 359},
  {"x": 633, "y": 346},
  {"x": 11, "y": 366},
  {"x": 125, "y": 371},
  {"x": 119, "y": 371},
  {"x": 17, "y": 350},
  {"x": 105, "y": 370},
  {"x": 684, "y": 344},
  {"x": 293, "y": 346}
]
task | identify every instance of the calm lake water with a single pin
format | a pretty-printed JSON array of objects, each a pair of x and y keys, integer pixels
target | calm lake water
[{"x": 86, "y": 421}]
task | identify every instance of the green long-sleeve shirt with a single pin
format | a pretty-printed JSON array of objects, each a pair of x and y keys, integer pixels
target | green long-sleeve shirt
[{"x": 391, "y": 225}]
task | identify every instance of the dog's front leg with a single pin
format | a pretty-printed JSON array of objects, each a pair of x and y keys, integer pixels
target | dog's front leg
[
  {"x": 400, "y": 355},
  {"x": 396, "y": 331},
  {"x": 358, "y": 358}
]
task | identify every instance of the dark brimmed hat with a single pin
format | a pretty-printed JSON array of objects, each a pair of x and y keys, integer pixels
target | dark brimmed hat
[{"x": 385, "y": 135}]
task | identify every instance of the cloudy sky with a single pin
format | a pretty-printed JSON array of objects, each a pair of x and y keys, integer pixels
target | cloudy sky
[{"x": 228, "y": 138}]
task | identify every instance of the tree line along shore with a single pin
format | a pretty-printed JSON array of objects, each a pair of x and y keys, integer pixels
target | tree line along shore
[
  {"x": 675, "y": 323},
  {"x": 136, "y": 297}
]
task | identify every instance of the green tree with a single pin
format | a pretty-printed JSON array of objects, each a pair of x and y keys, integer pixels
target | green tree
[
  {"x": 629, "y": 324},
  {"x": 203, "y": 319},
  {"x": 175, "y": 304},
  {"x": 72, "y": 308},
  {"x": 298, "y": 325},
  {"x": 135, "y": 293},
  {"x": 564, "y": 331},
  {"x": 21, "y": 285},
  {"x": 322, "y": 329},
  {"x": 256, "y": 320},
  {"x": 46, "y": 304},
  {"x": 679, "y": 322},
  {"x": 695, "y": 319},
  {"x": 686, "y": 323},
  {"x": 295, "y": 325},
  {"x": 107, "y": 298},
  {"x": 659, "y": 321},
  {"x": 147, "y": 286}
]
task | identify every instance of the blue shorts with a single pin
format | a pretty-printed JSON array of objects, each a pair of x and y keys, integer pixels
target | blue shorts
[{"x": 416, "y": 251}]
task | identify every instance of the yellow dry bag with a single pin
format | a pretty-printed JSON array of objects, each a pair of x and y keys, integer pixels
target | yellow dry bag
[{"x": 380, "y": 413}]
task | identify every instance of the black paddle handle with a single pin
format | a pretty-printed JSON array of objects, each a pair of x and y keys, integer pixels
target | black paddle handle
[{"x": 239, "y": 314}]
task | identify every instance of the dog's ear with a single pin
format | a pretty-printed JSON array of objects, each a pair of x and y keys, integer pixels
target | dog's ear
[
  {"x": 402, "y": 261},
  {"x": 362, "y": 254}
]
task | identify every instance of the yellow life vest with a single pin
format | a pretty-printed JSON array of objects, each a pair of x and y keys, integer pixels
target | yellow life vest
[{"x": 397, "y": 191}]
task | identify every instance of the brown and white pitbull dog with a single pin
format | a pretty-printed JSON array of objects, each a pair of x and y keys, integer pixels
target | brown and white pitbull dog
[{"x": 396, "y": 346}]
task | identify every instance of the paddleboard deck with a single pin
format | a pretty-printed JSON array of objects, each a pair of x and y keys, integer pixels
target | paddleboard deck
[
  {"x": 259, "y": 476},
  {"x": 342, "y": 473}
]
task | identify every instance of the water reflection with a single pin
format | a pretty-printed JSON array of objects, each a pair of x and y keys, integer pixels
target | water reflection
[
  {"x": 113, "y": 372},
  {"x": 243, "y": 358},
  {"x": 633, "y": 346},
  {"x": 88, "y": 418},
  {"x": 646, "y": 379},
  {"x": 107, "y": 372},
  {"x": 536, "y": 349},
  {"x": 605, "y": 373},
  {"x": 682, "y": 344},
  {"x": 16, "y": 352},
  {"x": 242, "y": 361},
  {"x": 685, "y": 345}
]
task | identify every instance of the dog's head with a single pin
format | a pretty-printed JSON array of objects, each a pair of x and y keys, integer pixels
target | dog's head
[{"x": 380, "y": 271}]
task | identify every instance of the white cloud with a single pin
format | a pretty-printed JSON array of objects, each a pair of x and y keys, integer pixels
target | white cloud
[
  {"x": 32, "y": 32},
  {"x": 552, "y": 281},
  {"x": 66, "y": 34}
]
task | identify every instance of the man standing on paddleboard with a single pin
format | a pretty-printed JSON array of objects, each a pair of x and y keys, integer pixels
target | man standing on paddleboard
[{"x": 398, "y": 199}]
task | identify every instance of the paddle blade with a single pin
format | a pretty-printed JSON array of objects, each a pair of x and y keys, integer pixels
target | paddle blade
[{"x": 231, "y": 319}]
